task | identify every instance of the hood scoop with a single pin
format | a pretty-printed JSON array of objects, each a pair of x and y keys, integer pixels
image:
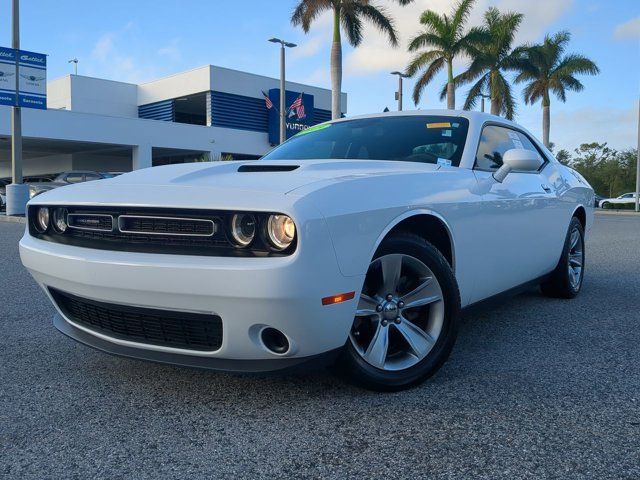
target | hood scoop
[{"x": 267, "y": 168}]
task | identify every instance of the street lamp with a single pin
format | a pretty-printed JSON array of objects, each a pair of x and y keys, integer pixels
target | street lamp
[
  {"x": 283, "y": 118},
  {"x": 399, "y": 92},
  {"x": 483, "y": 96},
  {"x": 75, "y": 62},
  {"x": 17, "y": 192},
  {"x": 638, "y": 166}
]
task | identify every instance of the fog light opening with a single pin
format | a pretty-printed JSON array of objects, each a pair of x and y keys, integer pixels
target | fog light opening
[{"x": 274, "y": 340}]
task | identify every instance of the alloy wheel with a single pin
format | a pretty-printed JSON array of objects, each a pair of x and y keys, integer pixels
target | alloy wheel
[
  {"x": 576, "y": 258},
  {"x": 400, "y": 313}
]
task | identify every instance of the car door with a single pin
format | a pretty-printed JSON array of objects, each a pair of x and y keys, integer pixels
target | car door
[{"x": 523, "y": 216}]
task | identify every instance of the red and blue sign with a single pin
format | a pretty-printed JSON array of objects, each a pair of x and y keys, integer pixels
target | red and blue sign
[
  {"x": 28, "y": 86},
  {"x": 299, "y": 113}
]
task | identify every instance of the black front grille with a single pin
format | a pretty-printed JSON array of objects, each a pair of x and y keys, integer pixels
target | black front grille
[
  {"x": 156, "y": 230},
  {"x": 189, "y": 331},
  {"x": 166, "y": 225}
]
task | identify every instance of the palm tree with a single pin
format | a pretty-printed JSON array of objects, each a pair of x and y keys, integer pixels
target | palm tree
[
  {"x": 348, "y": 15},
  {"x": 546, "y": 70},
  {"x": 491, "y": 56},
  {"x": 446, "y": 36}
]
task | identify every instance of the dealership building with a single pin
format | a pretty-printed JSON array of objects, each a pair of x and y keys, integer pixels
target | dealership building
[{"x": 207, "y": 113}]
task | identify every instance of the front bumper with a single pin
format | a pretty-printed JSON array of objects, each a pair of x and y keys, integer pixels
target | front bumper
[
  {"x": 279, "y": 365},
  {"x": 247, "y": 293}
]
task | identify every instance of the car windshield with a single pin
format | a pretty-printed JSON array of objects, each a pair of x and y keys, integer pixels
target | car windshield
[{"x": 411, "y": 138}]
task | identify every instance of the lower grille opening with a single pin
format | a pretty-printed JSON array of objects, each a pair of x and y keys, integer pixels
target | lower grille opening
[{"x": 186, "y": 330}]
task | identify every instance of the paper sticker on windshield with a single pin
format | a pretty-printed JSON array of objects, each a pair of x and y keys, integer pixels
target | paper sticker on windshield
[
  {"x": 455, "y": 125},
  {"x": 446, "y": 133},
  {"x": 439, "y": 125},
  {"x": 443, "y": 162},
  {"x": 315, "y": 128}
]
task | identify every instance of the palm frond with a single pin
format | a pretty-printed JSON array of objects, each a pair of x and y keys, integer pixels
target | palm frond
[
  {"x": 533, "y": 92},
  {"x": 501, "y": 90},
  {"x": 379, "y": 17},
  {"x": 434, "y": 20},
  {"x": 461, "y": 13},
  {"x": 576, "y": 64},
  {"x": 352, "y": 26},
  {"x": 426, "y": 77},
  {"x": 307, "y": 11},
  {"x": 426, "y": 39},
  {"x": 475, "y": 91},
  {"x": 422, "y": 59}
]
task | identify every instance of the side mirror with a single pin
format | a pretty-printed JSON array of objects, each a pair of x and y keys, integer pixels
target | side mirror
[{"x": 518, "y": 159}]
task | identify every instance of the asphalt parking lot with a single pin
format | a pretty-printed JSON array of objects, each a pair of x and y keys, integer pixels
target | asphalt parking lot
[{"x": 535, "y": 388}]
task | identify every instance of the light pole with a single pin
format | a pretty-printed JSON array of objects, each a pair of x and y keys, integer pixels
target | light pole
[
  {"x": 283, "y": 117},
  {"x": 75, "y": 62},
  {"x": 483, "y": 96},
  {"x": 17, "y": 192},
  {"x": 638, "y": 166},
  {"x": 399, "y": 92}
]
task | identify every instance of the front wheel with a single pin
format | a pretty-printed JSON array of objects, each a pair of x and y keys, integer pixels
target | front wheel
[{"x": 406, "y": 319}]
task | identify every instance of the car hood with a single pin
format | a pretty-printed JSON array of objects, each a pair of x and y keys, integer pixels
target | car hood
[
  {"x": 249, "y": 184},
  {"x": 281, "y": 176}
]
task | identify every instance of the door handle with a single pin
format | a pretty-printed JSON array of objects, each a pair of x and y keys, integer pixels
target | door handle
[{"x": 546, "y": 188}]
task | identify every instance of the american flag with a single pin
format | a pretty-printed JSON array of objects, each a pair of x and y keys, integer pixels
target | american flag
[
  {"x": 267, "y": 100},
  {"x": 298, "y": 107}
]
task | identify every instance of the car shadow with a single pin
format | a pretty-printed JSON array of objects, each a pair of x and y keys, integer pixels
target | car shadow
[{"x": 480, "y": 331}]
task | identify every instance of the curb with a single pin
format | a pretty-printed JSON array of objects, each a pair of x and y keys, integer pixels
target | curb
[
  {"x": 615, "y": 212},
  {"x": 6, "y": 219}
]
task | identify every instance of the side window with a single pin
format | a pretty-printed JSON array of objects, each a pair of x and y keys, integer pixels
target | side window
[
  {"x": 91, "y": 176},
  {"x": 495, "y": 141},
  {"x": 74, "y": 178}
]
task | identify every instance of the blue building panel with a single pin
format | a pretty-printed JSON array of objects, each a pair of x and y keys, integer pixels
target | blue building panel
[
  {"x": 238, "y": 111},
  {"x": 164, "y": 110},
  {"x": 320, "y": 115}
]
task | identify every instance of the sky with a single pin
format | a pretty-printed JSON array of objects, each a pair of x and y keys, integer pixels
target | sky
[{"x": 142, "y": 40}]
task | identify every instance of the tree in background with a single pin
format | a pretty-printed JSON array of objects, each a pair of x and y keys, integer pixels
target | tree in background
[
  {"x": 491, "y": 57},
  {"x": 610, "y": 172},
  {"x": 545, "y": 70},
  {"x": 348, "y": 15},
  {"x": 446, "y": 39}
]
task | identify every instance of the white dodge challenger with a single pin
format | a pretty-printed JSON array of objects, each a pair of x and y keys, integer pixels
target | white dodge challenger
[{"x": 356, "y": 242}]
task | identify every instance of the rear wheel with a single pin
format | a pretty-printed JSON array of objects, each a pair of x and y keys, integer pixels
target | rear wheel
[
  {"x": 406, "y": 319},
  {"x": 566, "y": 279}
]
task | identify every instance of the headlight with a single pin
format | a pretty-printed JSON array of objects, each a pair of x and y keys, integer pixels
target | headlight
[
  {"x": 280, "y": 231},
  {"x": 243, "y": 228},
  {"x": 60, "y": 219},
  {"x": 42, "y": 219}
]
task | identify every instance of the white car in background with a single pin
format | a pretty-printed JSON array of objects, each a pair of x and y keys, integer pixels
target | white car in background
[
  {"x": 356, "y": 241},
  {"x": 624, "y": 199}
]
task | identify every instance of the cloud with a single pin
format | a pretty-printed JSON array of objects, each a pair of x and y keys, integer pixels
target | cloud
[
  {"x": 320, "y": 77},
  {"x": 570, "y": 128},
  {"x": 103, "y": 47},
  {"x": 375, "y": 53},
  {"x": 628, "y": 30},
  {"x": 308, "y": 48},
  {"x": 107, "y": 61},
  {"x": 171, "y": 51}
]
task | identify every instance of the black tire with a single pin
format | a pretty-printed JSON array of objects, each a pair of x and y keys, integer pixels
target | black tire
[
  {"x": 605, "y": 205},
  {"x": 559, "y": 284},
  {"x": 351, "y": 364}
]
